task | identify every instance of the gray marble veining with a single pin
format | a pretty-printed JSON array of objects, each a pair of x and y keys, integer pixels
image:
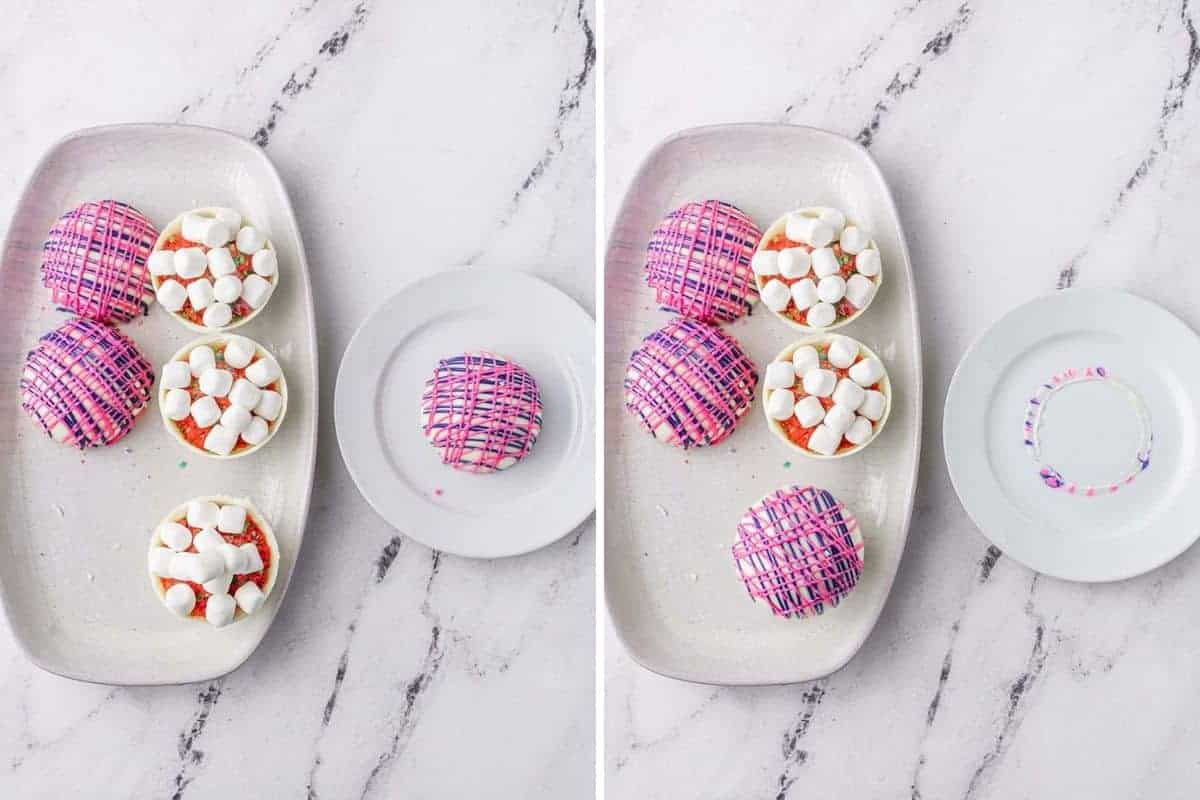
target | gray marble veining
[{"x": 412, "y": 137}]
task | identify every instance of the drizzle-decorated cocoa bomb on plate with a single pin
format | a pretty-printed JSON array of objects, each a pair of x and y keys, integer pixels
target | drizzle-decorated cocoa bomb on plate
[
  {"x": 827, "y": 396},
  {"x": 698, "y": 261},
  {"x": 85, "y": 384},
  {"x": 222, "y": 396},
  {"x": 483, "y": 413},
  {"x": 213, "y": 558},
  {"x": 212, "y": 270},
  {"x": 816, "y": 270},
  {"x": 799, "y": 550},
  {"x": 688, "y": 384},
  {"x": 94, "y": 261}
]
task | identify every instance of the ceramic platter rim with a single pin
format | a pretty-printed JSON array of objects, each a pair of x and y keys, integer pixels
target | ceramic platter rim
[
  {"x": 977, "y": 379},
  {"x": 649, "y": 608},
  {"x": 435, "y": 517},
  {"x": 118, "y": 161}
]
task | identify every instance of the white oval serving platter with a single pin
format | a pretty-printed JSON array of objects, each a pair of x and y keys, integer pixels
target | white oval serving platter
[
  {"x": 377, "y": 407},
  {"x": 670, "y": 515},
  {"x": 1090, "y": 433},
  {"x": 73, "y": 575}
]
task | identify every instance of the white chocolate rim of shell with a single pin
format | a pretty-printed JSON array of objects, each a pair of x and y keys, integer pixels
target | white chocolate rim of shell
[
  {"x": 885, "y": 387},
  {"x": 175, "y": 226},
  {"x": 222, "y": 339},
  {"x": 777, "y": 227},
  {"x": 180, "y": 513}
]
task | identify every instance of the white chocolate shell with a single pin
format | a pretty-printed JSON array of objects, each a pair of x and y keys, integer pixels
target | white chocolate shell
[
  {"x": 777, "y": 227},
  {"x": 180, "y": 513},
  {"x": 885, "y": 388},
  {"x": 174, "y": 227},
  {"x": 222, "y": 339}
]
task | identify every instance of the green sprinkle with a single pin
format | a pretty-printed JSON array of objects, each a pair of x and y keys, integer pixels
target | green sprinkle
[
  {"x": 182, "y": 464},
  {"x": 787, "y": 465}
]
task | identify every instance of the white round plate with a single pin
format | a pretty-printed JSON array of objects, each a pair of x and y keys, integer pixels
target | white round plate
[
  {"x": 378, "y": 399},
  {"x": 1089, "y": 433}
]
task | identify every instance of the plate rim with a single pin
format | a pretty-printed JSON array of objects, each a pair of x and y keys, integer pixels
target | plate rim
[
  {"x": 1056, "y": 296},
  {"x": 588, "y": 420},
  {"x": 252, "y": 152},
  {"x": 611, "y": 243}
]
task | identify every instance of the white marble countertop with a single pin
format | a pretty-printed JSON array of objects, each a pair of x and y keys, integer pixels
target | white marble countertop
[
  {"x": 1030, "y": 146},
  {"x": 389, "y": 670}
]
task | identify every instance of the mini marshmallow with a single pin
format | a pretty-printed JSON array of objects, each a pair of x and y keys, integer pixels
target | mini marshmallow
[
  {"x": 859, "y": 291},
  {"x": 804, "y": 294},
  {"x": 206, "y": 412},
  {"x": 780, "y": 375},
  {"x": 249, "y": 597},
  {"x": 831, "y": 288},
  {"x": 256, "y": 290},
  {"x": 842, "y": 351},
  {"x": 219, "y": 584},
  {"x": 180, "y": 567},
  {"x": 232, "y": 519},
  {"x": 873, "y": 405},
  {"x": 236, "y": 418},
  {"x": 265, "y": 263},
  {"x": 794, "y": 262},
  {"x": 180, "y": 599},
  {"x": 822, "y": 315},
  {"x": 160, "y": 561},
  {"x": 839, "y": 419},
  {"x": 161, "y": 263},
  {"x": 202, "y": 514},
  {"x": 823, "y": 440},
  {"x": 775, "y": 295},
  {"x": 809, "y": 411},
  {"x": 177, "y": 404},
  {"x": 220, "y": 262},
  {"x": 194, "y": 226},
  {"x": 220, "y": 440},
  {"x": 250, "y": 240},
  {"x": 217, "y": 234},
  {"x": 859, "y": 431},
  {"x": 848, "y": 394},
  {"x": 867, "y": 372},
  {"x": 176, "y": 375},
  {"x": 245, "y": 394},
  {"x": 834, "y": 219},
  {"x": 256, "y": 432},
  {"x": 825, "y": 262},
  {"x": 253, "y": 559},
  {"x": 205, "y": 566},
  {"x": 820, "y": 382},
  {"x": 234, "y": 558},
  {"x": 239, "y": 352},
  {"x": 200, "y": 293},
  {"x": 219, "y": 610},
  {"x": 208, "y": 539},
  {"x": 271, "y": 402},
  {"x": 218, "y": 315},
  {"x": 229, "y": 216},
  {"x": 805, "y": 358},
  {"x": 854, "y": 240},
  {"x": 809, "y": 230},
  {"x": 200, "y": 359},
  {"x": 171, "y": 295},
  {"x": 780, "y": 404},
  {"x": 216, "y": 382},
  {"x": 175, "y": 536},
  {"x": 190, "y": 262},
  {"x": 868, "y": 262},
  {"x": 765, "y": 262},
  {"x": 228, "y": 288}
]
